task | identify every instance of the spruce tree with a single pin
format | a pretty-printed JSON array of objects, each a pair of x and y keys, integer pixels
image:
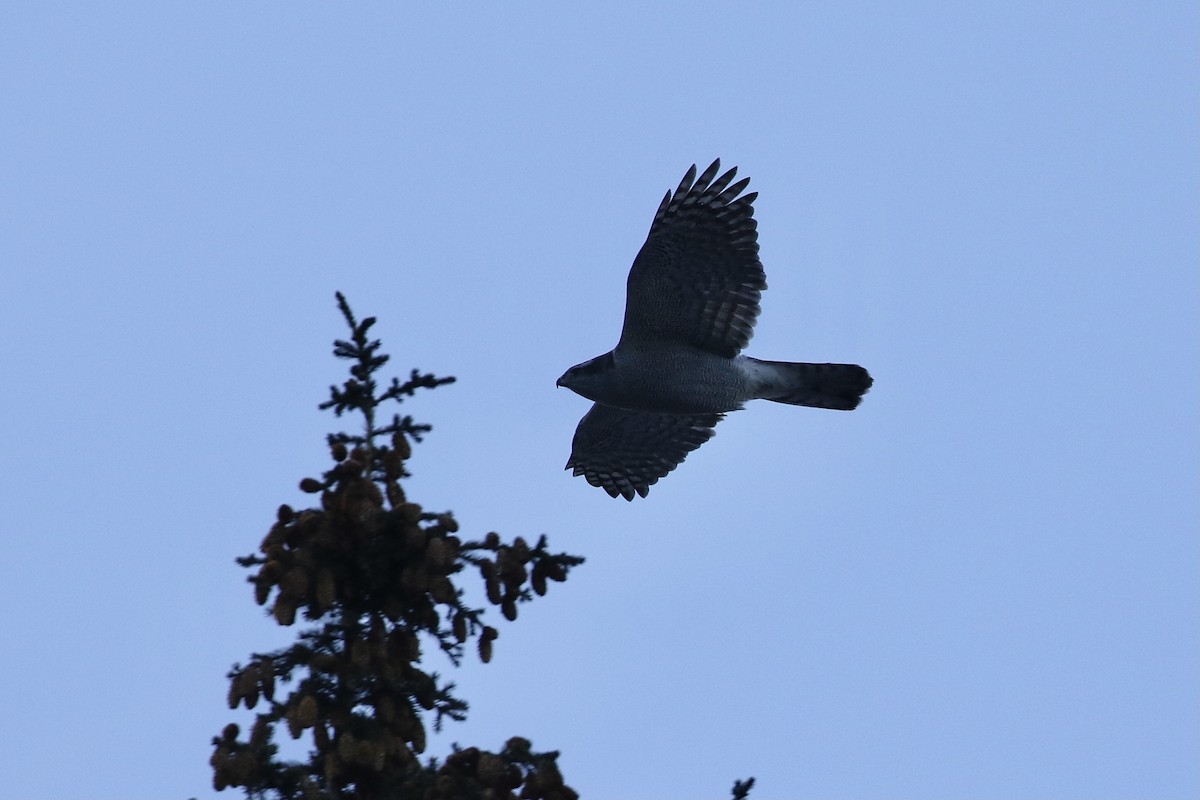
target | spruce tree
[{"x": 375, "y": 578}]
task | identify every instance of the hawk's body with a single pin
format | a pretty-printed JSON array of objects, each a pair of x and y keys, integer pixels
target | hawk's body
[{"x": 692, "y": 300}]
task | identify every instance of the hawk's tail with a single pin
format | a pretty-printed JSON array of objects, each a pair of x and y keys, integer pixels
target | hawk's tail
[{"x": 837, "y": 386}]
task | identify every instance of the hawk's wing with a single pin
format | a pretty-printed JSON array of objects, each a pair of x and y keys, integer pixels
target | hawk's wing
[
  {"x": 697, "y": 279},
  {"x": 624, "y": 452}
]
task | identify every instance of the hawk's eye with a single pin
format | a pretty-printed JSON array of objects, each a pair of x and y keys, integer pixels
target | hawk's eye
[{"x": 598, "y": 364}]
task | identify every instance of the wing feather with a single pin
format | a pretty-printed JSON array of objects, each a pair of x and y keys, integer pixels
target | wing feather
[
  {"x": 698, "y": 280},
  {"x": 626, "y": 452}
]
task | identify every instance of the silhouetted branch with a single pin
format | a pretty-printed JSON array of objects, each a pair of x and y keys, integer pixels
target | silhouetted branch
[{"x": 741, "y": 789}]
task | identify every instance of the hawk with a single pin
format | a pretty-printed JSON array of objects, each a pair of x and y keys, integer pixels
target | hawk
[{"x": 691, "y": 304}]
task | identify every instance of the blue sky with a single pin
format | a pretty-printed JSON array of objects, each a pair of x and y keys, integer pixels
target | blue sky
[{"x": 983, "y": 583}]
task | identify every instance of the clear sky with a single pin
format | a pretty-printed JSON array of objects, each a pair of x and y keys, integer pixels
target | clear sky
[{"x": 984, "y": 583}]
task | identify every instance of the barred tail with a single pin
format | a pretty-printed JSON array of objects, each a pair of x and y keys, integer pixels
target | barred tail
[{"x": 836, "y": 386}]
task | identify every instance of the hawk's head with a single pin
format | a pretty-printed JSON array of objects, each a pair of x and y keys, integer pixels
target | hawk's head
[{"x": 588, "y": 377}]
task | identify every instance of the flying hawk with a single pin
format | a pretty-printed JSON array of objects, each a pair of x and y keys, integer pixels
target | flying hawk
[{"x": 692, "y": 300}]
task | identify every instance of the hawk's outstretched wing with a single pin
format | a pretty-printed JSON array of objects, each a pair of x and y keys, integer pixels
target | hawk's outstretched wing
[
  {"x": 624, "y": 452},
  {"x": 697, "y": 279}
]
